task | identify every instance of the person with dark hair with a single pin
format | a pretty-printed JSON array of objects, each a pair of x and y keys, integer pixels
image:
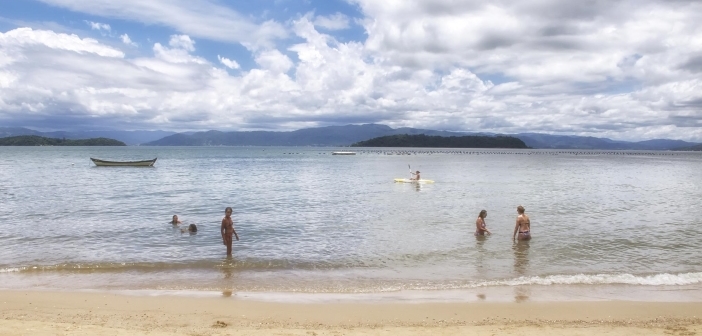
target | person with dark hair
[
  {"x": 417, "y": 177},
  {"x": 227, "y": 230},
  {"x": 480, "y": 228},
  {"x": 175, "y": 220},
  {"x": 192, "y": 228},
  {"x": 523, "y": 225}
]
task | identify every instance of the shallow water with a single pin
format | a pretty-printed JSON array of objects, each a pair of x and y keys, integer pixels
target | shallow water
[{"x": 317, "y": 223}]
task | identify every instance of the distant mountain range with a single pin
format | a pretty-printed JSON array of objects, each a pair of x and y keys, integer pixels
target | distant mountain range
[
  {"x": 129, "y": 137},
  {"x": 350, "y": 134},
  {"x": 536, "y": 140},
  {"x": 339, "y": 136},
  {"x": 321, "y": 136},
  {"x": 697, "y": 148}
]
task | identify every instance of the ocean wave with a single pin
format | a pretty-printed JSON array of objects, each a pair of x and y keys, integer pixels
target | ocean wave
[
  {"x": 661, "y": 279},
  {"x": 238, "y": 265},
  {"x": 367, "y": 280},
  {"x": 364, "y": 286}
]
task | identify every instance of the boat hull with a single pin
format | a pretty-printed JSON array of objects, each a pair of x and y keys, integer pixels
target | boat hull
[
  {"x": 103, "y": 163},
  {"x": 343, "y": 153}
]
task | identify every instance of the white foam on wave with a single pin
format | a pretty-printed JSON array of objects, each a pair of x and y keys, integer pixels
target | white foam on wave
[{"x": 663, "y": 279}]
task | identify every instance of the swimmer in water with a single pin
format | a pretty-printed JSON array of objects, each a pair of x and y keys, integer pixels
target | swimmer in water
[
  {"x": 192, "y": 228},
  {"x": 523, "y": 225},
  {"x": 175, "y": 220},
  {"x": 480, "y": 228}
]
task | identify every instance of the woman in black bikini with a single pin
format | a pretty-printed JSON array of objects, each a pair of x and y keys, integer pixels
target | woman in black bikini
[{"x": 523, "y": 226}]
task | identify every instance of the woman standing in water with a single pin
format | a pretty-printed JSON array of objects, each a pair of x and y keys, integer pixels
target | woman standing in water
[
  {"x": 523, "y": 225},
  {"x": 480, "y": 228},
  {"x": 227, "y": 230}
]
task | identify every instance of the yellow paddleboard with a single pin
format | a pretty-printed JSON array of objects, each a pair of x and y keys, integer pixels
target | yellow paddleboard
[{"x": 405, "y": 180}]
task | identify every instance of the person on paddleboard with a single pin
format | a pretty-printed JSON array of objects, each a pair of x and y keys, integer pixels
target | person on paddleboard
[
  {"x": 417, "y": 178},
  {"x": 480, "y": 228}
]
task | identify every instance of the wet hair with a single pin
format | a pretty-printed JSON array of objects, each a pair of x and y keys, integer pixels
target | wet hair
[
  {"x": 482, "y": 214},
  {"x": 192, "y": 228},
  {"x": 520, "y": 209},
  {"x": 174, "y": 220},
  {"x": 228, "y": 209}
]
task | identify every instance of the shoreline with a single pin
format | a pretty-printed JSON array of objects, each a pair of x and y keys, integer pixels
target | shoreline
[
  {"x": 88, "y": 313},
  {"x": 324, "y": 287},
  {"x": 242, "y": 290}
]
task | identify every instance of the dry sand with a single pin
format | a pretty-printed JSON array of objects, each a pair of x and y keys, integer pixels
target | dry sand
[{"x": 71, "y": 313}]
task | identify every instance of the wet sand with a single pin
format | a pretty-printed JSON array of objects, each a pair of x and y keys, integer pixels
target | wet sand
[{"x": 81, "y": 313}]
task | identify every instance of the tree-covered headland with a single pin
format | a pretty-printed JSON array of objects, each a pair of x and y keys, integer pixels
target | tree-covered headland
[
  {"x": 35, "y": 140},
  {"x": 421, "y": 140}
]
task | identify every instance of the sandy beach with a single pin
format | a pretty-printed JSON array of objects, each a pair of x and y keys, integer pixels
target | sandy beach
[{"x": 80, "y": 313}]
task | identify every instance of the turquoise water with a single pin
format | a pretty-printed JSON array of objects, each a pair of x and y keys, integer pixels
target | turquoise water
[{"x": 317, "y": 223}]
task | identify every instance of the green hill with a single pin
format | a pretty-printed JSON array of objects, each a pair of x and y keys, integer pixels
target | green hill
[
  {"x": 421, "y": 140},
  {"x": 35, "y": 140}
]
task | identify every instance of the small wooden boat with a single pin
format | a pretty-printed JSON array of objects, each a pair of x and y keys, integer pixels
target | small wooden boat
[
  {"x": 343, "y": 153},
  {"x": 103, "y": 163}
]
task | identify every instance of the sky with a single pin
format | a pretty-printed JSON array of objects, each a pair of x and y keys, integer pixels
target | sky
[{"x": 626, "y": 70}]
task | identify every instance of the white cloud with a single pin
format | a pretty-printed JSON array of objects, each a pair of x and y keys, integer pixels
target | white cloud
[
  {"x": 231, "y": 64},
  {"x": 126, "y": 40},
  {"x": 336, "y": 21},
  {"x": 531, "y": 41},
  {"x": 64, "y": 81},
  {"x": 274, "y": 61},
  {"x": 99, "y": 26},
  {"x": 614, "y": 70},
  {"x": 204, "y": 19},
  {"x": 23, "y": 38},
  {"x": 182, "y": 42},
  {"x": 181, "y": 47}
]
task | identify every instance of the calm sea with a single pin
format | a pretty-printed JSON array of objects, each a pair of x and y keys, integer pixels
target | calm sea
[{"x": 311, "y": 222}]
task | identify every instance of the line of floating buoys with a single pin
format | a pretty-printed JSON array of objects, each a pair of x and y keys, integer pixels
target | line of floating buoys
[
  {"x": 531, "y": 152},
  {"x": 508, "y": 152}
]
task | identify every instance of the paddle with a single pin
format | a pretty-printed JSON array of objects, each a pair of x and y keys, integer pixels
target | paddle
[{"x": 410, "y": 170}]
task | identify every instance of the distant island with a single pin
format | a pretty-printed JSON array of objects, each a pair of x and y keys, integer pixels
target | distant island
[
  {"x": 131, "y": 138},
  {"x": 35, "y": 140},
  {"x": 435, "y": 141}
]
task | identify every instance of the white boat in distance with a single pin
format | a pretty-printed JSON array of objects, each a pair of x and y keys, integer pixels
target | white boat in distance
[
  {"x": 343, "y": 153},
  {"x": 103, "y": 163}
]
